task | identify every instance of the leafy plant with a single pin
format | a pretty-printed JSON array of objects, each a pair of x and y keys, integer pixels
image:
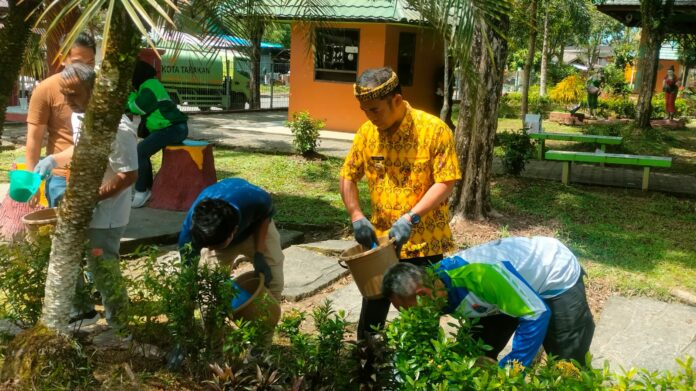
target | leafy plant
[
  {"x": 305, "y": 130},
  {"x": 615, "y": 80},
  {"x": 23, "y": 267},
  {"x": 517, "y": 150},
  {"x": 569, "y": 90},
  {"x": 622, "y": 106}
]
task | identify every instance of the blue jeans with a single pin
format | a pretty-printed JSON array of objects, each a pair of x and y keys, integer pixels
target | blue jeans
[
  {"x": 55, "y": 188},
  {"x": 152, "y": 144}
]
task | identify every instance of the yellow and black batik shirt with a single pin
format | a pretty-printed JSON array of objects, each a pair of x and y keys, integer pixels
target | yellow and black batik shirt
[{"x": 400, "y": 167}]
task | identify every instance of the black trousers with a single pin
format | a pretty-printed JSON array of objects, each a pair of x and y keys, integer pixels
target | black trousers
[
  {"x": 570, "y": 331},
  {"x": 373, "y": 313}
]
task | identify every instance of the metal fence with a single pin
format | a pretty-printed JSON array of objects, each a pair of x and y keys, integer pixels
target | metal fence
[{"x": 233, "y": 94}]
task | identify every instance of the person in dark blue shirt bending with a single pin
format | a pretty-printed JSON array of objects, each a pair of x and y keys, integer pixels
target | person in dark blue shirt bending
[{"x": 233, "y": 218}]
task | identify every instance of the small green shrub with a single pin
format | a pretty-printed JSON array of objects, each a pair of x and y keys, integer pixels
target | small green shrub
[
  {"x": 305, "y": 130},
  {"x": 23, "y": 267},
  {"x": 426, "y": 358},
  {"x": 517, "y": 150},
  {"x": 622, "y": 106}
]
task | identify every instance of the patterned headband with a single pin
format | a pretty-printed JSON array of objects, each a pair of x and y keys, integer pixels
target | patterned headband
[{"x": 366, "y": 93}]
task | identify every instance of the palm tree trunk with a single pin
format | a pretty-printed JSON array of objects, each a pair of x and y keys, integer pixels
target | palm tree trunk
[
  {"x": 654, "y": 16},
  {"x": 531, "y": 46},
  {"x": 255, "y": 57},
  {"x": 478, "y": 121},
  {"x": 87, "y": 169},
  {"x": 14, "y": 36},
  {"x": 544, "y": 56}
]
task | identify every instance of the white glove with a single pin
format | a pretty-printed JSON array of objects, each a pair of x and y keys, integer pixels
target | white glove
[{"x": 45, "y": 166}]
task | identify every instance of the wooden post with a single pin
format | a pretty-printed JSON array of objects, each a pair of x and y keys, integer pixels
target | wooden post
[
  {"x": 541, "y": 149},
  {"x": 646, "y": 178},
  {"x": 565, "y": 178}
]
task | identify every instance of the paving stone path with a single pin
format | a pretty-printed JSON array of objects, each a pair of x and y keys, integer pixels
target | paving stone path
[{"x": 645, "y": 333}]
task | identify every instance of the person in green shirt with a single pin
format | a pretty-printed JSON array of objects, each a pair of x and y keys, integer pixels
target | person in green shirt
[{"x": 165, "y": 124}]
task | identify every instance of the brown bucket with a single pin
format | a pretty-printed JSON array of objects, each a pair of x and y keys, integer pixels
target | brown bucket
[
  {"x": 368, "y": 267},
  {"x": 40, "y": 218},
  {"x": 261, "y": 304}
]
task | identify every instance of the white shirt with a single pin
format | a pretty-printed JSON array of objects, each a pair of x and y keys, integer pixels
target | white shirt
[
  {"x": 114, "y": 212},
  {"x": 546, "y": 264}
]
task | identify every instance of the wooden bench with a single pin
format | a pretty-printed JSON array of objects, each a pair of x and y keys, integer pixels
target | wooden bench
[{"x": 610, "y": 158}]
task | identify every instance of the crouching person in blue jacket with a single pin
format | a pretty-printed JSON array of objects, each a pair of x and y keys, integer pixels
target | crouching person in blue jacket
[
  {"x": 233, "y": 218},
  {"x": 532, "y": 287}
]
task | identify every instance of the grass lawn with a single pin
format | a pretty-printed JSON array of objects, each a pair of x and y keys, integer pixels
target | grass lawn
[{"x": 638, "y": 243}]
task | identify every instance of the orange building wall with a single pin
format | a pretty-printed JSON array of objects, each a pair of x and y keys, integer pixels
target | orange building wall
[
  {"x": 333, "y": 102},
  {"x": 429, "y": 60}
]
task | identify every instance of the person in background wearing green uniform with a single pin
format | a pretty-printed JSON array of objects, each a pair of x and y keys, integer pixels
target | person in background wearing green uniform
[{"x": 165, "y": 124}]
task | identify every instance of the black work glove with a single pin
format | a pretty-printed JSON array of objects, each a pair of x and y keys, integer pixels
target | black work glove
[
  {"x": 364, "y": 232},
  {"x": 401, "y": 231},
  {"x": 261, "y": 266}
]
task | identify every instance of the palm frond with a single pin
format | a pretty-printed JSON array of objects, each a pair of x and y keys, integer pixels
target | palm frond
[{"x": 145, "y": 15}]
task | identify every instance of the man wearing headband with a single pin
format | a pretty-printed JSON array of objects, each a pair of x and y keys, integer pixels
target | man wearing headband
[{"x": 410, "y": 162}]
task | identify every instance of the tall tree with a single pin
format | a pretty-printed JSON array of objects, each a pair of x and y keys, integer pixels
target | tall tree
[
  {"x": 653, "y": 20},
  {"x": 478, "y": 122},
  {"x": 478, "y": 46},
  {"x": 531, "y": 47},
  {"x": 544, "y": 55},
  {"x": 14, "y": 36}
]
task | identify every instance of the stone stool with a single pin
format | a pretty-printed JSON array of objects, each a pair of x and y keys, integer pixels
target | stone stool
[{"x": 186, "y": 170}]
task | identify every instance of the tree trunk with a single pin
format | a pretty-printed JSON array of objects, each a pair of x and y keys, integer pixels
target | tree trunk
[
  {"x": 14, "y": 36},
  {"x": 544, "y": 56},
  {"x": 255, "y": 57},
  {"x": 685, "y": 75},
  {"x": 87, "y": 168},
  {"x": 531, "y": 47},
  {"x": 478, "y": 121},
  {"x": 562, "y": 53},
  {"x": 653, "y": 20},
  {"x": 446, "y": 110}
]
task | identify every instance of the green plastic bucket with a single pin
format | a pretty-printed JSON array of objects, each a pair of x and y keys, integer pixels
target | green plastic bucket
[{"x": 23, "y": 185}]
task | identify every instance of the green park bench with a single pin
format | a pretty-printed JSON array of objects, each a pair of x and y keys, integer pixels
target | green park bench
[
  {"x": 603, "y": 141},
  {"x": 609, "y": 158},
  {"x": 532, "y": 123}
]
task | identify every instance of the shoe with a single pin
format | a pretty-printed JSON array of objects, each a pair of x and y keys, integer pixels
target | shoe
[
  {"x": 141, "y": 198},
  {"x": 84, "y": 319}
]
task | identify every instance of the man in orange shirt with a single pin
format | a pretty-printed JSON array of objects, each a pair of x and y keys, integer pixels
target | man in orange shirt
[{"x": 48, "y": 111}]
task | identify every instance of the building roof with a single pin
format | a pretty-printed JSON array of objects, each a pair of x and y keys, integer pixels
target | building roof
[
  {"x": 628, "y": 12},
  {"x": 385, "y": 11}
]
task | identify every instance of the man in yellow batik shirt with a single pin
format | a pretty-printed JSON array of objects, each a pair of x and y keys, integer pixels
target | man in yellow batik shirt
[{"x": 410, "y": 162}]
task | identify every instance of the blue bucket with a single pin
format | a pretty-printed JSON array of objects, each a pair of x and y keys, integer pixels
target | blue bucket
[
  {"x": 23, "y": 185},
  {"x": 241, "y": 296}
]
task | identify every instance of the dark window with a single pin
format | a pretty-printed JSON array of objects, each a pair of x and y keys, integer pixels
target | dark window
[
  {"x": 336, "y": 55},
  {"x": 407, "y": 57}
]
